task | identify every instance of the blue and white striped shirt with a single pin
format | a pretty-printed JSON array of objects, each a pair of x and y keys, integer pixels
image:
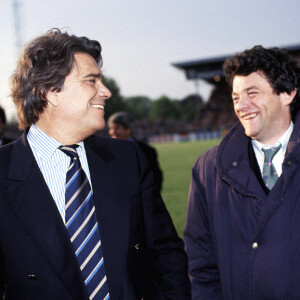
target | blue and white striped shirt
[{"x": 54, "y": 163}]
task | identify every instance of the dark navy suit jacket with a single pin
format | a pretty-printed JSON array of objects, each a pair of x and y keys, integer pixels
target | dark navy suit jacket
[
  {"x": 151, "y": 156},
  {"x": 140, "y": 245}
]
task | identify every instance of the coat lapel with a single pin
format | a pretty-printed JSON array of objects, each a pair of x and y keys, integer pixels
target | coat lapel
[
  {"x": 110, "y": 191},
  {"x": 35, "y": 208},
  {"x": 276, "y": 195},
  {"x": 232, "y": 163}
]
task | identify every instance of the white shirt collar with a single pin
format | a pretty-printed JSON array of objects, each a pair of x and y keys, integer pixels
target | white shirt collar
[
  {"x": 279, "y": 157},
  {"x": 44, "y": 145}
]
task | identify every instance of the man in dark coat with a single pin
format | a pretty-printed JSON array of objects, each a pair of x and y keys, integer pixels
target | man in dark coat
[
  {"x": 242, "y": 230},
  {"x": 80, "y": 217},
  {"x": 121, "y": 126}
]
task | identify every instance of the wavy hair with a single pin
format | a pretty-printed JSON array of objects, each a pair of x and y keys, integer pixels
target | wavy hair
[
  {"x": 43, "y": 66},
  {"x": 276, "y": 65}
]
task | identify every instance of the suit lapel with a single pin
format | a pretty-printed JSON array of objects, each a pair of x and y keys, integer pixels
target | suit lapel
[
  {"x": 35, "y": 208},
  {"x": 113, "y": 211}
]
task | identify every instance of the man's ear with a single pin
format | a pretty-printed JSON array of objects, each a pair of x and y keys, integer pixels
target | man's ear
[
  {"x": 288, "y": 98},
  {"x": 52, "y": 98}
]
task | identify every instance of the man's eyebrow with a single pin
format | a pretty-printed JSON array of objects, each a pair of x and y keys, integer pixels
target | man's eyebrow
[
  {"x": 252, "y": 87},
  {"x": 94, "y": 75}
]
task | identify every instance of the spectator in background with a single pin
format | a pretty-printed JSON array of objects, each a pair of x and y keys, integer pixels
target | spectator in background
[
  {"x": 3, "y": 139},
  {"x": 121, "y": 126}
]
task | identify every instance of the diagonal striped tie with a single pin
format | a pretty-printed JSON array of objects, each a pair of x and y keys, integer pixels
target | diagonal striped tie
[{"x": 82, "y": 227}]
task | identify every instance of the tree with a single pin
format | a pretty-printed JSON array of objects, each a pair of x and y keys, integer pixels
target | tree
[
  {"x": 138, "y": 106},
  {"x": 115, "y": 102},
  {"x": 164, "y": 108},
  {"x": 190, "y": 107}
]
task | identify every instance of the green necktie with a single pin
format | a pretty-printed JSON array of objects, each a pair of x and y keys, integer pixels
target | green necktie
[{"x": 269, "y": 172}]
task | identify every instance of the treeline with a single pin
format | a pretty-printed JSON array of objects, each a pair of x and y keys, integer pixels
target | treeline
[{"x": 144, "y": 108}]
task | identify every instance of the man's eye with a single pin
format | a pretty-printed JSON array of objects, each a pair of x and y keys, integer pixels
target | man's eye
[
  {"x": 92, "y": 81},
  {"x": 235, "y": 99},
  {"x": 252, "y": 94}
]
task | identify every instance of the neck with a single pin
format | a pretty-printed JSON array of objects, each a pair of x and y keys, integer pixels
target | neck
[
  {"x": 63, "y": 134},
  {"x": 272, "y": 140}
]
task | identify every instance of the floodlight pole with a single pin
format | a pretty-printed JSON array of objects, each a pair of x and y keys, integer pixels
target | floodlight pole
[
  {"x": 197, "y": 92},
  {"x": 16, "y": 6}
]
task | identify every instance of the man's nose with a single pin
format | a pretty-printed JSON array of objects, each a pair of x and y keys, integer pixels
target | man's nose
[
  {"x": 242, "y": 103},
  {"x": 103, "y": 91}
]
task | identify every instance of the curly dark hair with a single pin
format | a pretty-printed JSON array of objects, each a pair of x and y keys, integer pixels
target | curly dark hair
[
  {"x": 280, "y": 70},
  {"x": 43, "y": 66}
]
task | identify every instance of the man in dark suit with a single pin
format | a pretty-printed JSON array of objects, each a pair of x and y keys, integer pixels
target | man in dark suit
[
  {"x": 121, "y": 126},
  {"x": 79, "y": 215}
]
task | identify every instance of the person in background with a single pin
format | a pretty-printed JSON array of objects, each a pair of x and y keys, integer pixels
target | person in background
[
  {"x": 121, "y": 126},
  {"x": 242, "y": 230},
  {"x": 3, "y": 139},
  {"x": 80, "y": 217}
]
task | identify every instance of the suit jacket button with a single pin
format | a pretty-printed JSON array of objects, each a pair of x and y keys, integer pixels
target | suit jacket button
[
  {"x": 137, "y": 247},
  {"x": 32, "y": 277}
]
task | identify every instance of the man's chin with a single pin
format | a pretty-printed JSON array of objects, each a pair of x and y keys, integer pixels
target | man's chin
[{"x": 251, "y": 134}]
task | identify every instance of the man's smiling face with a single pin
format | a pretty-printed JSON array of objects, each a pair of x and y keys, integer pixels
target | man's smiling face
[
  {"x": 264, "y": 115},
  {"x": 82, "y": 99}
]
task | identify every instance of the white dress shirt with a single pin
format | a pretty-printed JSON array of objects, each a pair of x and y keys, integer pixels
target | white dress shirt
[
  {"x": 279, "y": 156},
  {"x": 54, "y": 163}
]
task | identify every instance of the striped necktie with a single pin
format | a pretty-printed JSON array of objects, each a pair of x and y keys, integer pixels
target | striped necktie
[
  {"x": 269, "y": 172},
  {"x": 82, "y": 227}
]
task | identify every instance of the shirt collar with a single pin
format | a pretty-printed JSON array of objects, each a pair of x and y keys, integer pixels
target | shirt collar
[
  {"x": 283, "y": 140},
  {"x": 44, "y": 145}
]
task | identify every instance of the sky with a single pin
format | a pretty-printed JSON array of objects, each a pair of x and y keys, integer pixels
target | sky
[{"x": 142, "y": 38}]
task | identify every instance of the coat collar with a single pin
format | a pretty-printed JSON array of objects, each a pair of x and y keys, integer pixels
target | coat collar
[
  {"x": 232, "y": 159},
  {"x": 233, "y": 166},
  {"x": 292, "y": 153},
  {"x": 232, "y": 163}
]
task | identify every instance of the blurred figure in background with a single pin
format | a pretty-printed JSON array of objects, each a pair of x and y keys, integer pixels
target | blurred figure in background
[
  {"x": 3, "y": 139},
  {"x": 121, "y": 126}
]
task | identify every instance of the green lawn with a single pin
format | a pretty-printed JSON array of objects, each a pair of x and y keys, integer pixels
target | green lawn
[{"x": 176, "y": 161}]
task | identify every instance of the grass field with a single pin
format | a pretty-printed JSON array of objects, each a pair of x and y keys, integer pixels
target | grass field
[{"x": 176, "y": 161}]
